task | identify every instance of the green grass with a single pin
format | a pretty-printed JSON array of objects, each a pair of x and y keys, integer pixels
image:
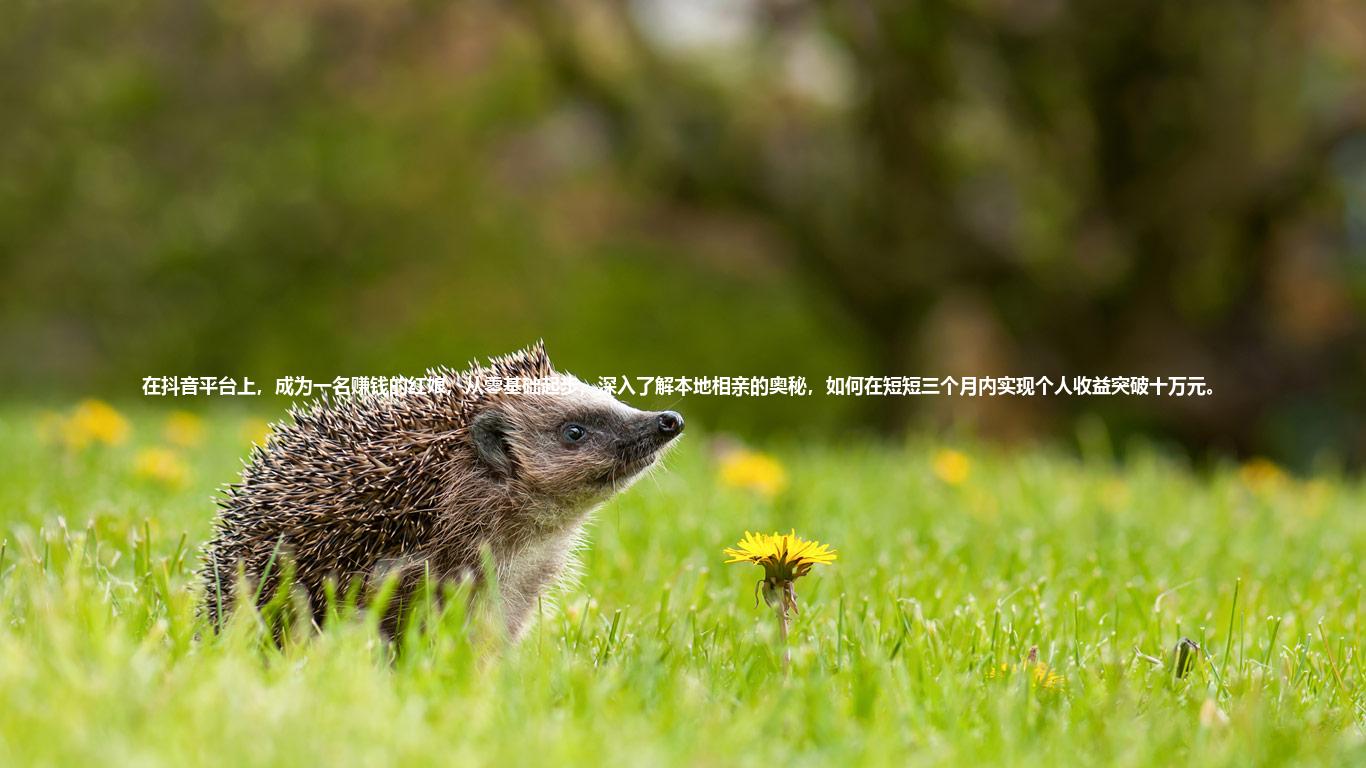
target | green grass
[{"x": 660, "y": 657}]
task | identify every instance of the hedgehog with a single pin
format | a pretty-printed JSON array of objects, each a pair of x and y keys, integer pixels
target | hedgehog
[{"x": 496, "y": 471}]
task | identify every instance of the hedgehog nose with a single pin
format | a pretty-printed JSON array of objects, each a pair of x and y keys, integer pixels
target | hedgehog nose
[{"x": 670, "y": 423}]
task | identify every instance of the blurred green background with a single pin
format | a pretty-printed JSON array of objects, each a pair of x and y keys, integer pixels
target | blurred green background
[{"x": 690, "y": 187}]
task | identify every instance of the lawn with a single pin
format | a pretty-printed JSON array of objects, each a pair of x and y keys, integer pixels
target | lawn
[{"x": 912, "y": 648}]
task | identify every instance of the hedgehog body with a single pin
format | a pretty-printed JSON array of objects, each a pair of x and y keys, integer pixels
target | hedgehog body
[{"x": 508, "y": 459}]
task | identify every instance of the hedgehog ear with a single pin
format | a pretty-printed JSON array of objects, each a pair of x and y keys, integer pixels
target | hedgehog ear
[{"x": 489, "y": 430}]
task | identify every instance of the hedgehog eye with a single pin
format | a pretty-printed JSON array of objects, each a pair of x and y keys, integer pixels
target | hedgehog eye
[{"x": 573, "y": 433}]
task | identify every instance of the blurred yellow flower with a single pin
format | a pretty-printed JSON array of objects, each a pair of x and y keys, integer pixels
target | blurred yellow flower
[
  {"x": 951, "y": 466},
  {"x": 1115, "y": 492},
  {"x": 754, "y": 471},
  {"x": 255, "y": 431},
  {"x": 1261, "y": 474},
  {"x": 161, "y": 465},
  {"x": 1041, "y": 675},
  {"x": 94, "y": 421},
  {"x": 183, "y": 429},
  {"x": 1315, "y": 496}
]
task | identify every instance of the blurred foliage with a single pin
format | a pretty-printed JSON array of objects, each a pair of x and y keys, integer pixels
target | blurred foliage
[{"x": 981, "y": 187}]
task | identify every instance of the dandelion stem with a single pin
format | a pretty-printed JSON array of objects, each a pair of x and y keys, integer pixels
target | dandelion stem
[{"x": 782, "y": 633}]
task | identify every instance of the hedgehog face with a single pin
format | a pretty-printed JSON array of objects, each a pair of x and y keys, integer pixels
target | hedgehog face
[{"x": 574, "y": 446}]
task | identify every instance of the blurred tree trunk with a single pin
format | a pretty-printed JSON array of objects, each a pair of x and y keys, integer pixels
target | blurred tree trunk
[{"x": 1136, "y": 145}]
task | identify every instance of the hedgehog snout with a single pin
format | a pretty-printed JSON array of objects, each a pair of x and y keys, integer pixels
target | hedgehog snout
[
  {"x": 646, "y": 434},
  {"x": 654, "y": 429},
  {"x": 670, "y": 423}
]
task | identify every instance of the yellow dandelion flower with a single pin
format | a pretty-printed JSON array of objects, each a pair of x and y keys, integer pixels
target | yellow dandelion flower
[
  {"x": 754, "y": 471},
  {"x": 1040, "y": 674},
  {"x": 784, "y": 556},
  {"x": 94, "y": 421},
  {"x": 255, "y": 431},
  {"x": 1044, "y": 677},
  {"x": 1261, "y": 474},
  {"x": 161, "y": 465},
  {"x": 183, "y": 429},
  {"x": 951, "y": 466}
]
